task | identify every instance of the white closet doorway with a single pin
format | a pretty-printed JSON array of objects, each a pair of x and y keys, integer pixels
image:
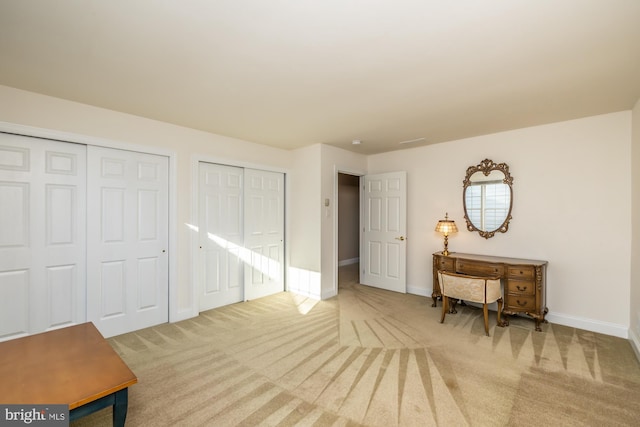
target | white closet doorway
[
  {"x": 83, "y": 237},
  {"x": 240, "y": 235}
]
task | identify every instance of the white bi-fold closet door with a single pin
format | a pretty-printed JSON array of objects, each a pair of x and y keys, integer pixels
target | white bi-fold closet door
[
  {"x": 127, "y": 240},
  {"x": 241, "y": 234},
  {"x": 81, "y": 244},
  {"x": 42, "y": 235}
]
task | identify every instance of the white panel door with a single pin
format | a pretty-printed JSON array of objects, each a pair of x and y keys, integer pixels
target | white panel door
[
  {"x": 127, "y": 261},
  {"x": 384, "y": 231},
  {"x": 42, "y": 235},
  {"x": 220, "y": 276},
  {"x": 264, "y": 233}
]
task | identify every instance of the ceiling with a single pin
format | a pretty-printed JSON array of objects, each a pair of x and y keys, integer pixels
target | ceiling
[{"x": 291, "y": 73}]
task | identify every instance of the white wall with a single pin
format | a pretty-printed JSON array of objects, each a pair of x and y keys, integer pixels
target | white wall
[
  {"x": 635, "y": 237},
  {"x": 571, "y": 181},
  {"x": 127, "y": 131},
  {"x": 305, "y": 223}
]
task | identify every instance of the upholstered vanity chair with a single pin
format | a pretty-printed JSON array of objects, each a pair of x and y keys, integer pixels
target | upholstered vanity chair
[{"x": 482, "y": 290}]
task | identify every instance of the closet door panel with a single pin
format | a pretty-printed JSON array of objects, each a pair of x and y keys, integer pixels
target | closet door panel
[
  {"x": 264, "y": 232},
  {"x": 42, "y": 235},
  {"x": 220, "y": 235},
  {"x": 128, "y": 280}
]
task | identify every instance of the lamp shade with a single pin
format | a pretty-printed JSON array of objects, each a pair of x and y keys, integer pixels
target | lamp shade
[{"x": 446, "y": 226}]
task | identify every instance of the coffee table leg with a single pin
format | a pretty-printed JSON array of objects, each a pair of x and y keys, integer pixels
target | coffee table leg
[{"x": 120, "y": 407}]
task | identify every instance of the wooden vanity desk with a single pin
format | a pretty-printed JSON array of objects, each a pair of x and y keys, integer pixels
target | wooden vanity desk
[{"x": 524, "y": 280}]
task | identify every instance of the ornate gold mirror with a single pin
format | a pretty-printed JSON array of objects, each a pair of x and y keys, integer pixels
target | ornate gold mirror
[{"x": 488, "y": 198}]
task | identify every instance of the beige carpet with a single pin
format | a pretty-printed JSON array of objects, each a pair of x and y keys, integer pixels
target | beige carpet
[{"x": 375, "y": 358}]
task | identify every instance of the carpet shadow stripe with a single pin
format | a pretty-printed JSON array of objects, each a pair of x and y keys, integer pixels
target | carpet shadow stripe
[
  {"x": 355, "y": 353},
  {"x": 269, "y": 408},
  {"x": 309, "y": 358},
  {"x": 422, "y": 363},
  {"x": 215, "y": 398},
  {"x": 371, "y": 357},
  {"x": 293, "y": 346},
  {"x": 236, "y": 411},
  {"x": 279, "y": 336},
  {"x": 397, "y": 333},
  {"x": 386, "y": 361},
  {"x": 403, "y": 365},
  {"x": 204, "y": 387}
]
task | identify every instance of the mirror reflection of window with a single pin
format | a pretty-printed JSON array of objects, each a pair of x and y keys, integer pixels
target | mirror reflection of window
[
  {"x": 488, "y": 198},
  {"x": 488, "y": 204}
]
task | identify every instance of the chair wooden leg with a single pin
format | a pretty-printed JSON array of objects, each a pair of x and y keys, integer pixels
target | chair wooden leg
[
  {"x": 485, "y": 309},
  {"x": 445, "y": 307},
  {"x": 500, "y": 322}
]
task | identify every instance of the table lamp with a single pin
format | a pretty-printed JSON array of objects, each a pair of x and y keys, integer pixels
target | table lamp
[{"x": 446, "y": 226}]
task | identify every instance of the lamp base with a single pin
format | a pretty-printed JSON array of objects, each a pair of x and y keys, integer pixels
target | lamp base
[{"x": 446, "y": 244}]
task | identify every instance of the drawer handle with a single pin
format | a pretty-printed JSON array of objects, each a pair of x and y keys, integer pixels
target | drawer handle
[
  {"x": 521, "y": 304},
  {"x": 521, "y": 289}
]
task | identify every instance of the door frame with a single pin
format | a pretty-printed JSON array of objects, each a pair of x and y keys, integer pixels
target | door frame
[
  {"x": 174, "y": 314},
  {"x": 195, "y": 188},
  {"x": 336, "y": 171}
]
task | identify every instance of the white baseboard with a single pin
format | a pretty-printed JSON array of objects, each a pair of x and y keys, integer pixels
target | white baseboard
[
  {"x": 329, "y": 294},
  {"x": 183, "y": 315},
  {"x": 304, "y": 293},
  {"x": 418, "y": 291},
  {"x": 348, "y": 262},
  {"x": 606, "y": 328},
  {"x": 635, "y": 343}
]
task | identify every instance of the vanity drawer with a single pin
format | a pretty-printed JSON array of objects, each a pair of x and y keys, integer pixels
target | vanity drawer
[
  {"x": 445, "y": 264},
  {"x": 521, "y": 287},
  {"x": 521, "y": 303},
  {"x": 479, "y": 268},
  {"x": 521, "y": 272}
]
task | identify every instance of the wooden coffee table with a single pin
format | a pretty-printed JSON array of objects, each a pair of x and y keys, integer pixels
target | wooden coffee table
[{"x": 75, "y": 366}]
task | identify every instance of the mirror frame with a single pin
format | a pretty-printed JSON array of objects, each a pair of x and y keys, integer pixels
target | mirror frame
[{"x": 486, "y": 166}]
